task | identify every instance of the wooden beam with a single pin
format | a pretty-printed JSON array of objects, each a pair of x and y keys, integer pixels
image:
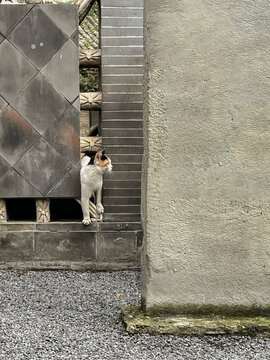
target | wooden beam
[
  {"x": 84, "y": 7},
  {"x": 90, "y": 58},
  {"x": 91, "y": 101}
]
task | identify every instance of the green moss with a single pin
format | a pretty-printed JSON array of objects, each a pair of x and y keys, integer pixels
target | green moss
[
  {"x": 136, "y": 321},
  {"x": 201, "y": 310}
]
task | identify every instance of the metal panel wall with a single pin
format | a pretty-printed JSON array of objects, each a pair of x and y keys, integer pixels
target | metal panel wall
[
  {"x": 39, "y": 103},
  {"x": 122, "y": 106}
]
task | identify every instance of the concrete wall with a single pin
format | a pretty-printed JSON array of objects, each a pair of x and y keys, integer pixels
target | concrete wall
[{"x": 206, "y": 176}]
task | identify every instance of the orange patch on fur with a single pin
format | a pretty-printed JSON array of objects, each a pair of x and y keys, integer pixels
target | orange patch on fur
[{"x": 103, "y": 163}]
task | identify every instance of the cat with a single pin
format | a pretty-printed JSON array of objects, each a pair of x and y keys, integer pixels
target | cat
[{"x": 93, "y": 167}]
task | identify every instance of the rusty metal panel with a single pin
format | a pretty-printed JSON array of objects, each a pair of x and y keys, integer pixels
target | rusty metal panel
[{"x": 39, "y": 88}]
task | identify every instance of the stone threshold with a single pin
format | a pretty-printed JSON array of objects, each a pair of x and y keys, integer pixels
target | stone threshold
[{"x": 136, "y": 322}]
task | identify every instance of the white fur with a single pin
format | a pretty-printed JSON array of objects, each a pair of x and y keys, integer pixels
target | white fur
[{"x": 91, "y": 183}]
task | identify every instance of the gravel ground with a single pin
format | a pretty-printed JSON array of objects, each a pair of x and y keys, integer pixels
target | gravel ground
[{"x": 72, "y": 315}]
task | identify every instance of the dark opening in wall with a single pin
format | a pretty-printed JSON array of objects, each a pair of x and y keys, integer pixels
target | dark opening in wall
[
  {"x": 65, "y": 209},
  {"x": 21, "y": 209}
]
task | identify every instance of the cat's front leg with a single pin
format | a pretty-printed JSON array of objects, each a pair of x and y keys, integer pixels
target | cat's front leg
[
  {"x": 85, "y": 210},
  {"x": 100, "y": 208}
]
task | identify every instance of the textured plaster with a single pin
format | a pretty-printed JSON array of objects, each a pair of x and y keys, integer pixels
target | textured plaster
[{"x": 206, "y": 166}]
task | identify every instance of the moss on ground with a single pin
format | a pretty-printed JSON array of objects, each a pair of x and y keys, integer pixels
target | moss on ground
[{"x": 136, "y": 321}]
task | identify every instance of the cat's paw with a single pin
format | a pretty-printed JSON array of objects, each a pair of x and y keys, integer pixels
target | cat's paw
[
  {"x": 100, "y": 209},
  {"x": 86, "y": 221}
]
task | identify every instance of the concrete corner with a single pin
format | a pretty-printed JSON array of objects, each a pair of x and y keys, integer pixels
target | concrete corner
[{"x": 137, "y": 322}]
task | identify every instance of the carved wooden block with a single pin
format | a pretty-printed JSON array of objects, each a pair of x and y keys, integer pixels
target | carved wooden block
[
  {"x": 43, "y": 210},
  {"x": 3, "y": 211},
  {"x": 91, "y": 101},
  {"x": 90, "y": 58},
  {"x": 91, "y": 143}
]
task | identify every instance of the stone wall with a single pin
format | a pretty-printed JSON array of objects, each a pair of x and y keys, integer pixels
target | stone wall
[{"x": 206, "y": 176}]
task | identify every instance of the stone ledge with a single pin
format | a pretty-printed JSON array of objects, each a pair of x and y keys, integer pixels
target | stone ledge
[
  {"x": 69, "y": 265},
  {"x": 136, "y": 322},
  {"x": 69, "y": 226}
]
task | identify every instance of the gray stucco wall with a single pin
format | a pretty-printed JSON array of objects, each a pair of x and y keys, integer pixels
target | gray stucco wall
[{"x": 206, "y": 166}]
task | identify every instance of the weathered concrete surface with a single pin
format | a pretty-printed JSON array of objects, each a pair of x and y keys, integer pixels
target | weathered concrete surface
[
  {"x": 206, "y": 178},
  {"x": 137, "y": 322}
]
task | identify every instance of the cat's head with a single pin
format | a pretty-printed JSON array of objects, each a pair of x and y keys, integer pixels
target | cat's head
[{"x": 103, "y": 161}]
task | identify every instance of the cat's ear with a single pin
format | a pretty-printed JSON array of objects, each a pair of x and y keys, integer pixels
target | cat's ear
[
  {"x": 103, "y": 152},
  {"x": 98, "y": 154}
]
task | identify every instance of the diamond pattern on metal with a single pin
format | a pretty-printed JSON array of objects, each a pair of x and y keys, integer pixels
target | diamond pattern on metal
[
  {"x": 16, "y": 135},
  {"x": 75, "y": 38},
  {"x": 3, "y": 103},
  {"x": 65, "y": 17},
  {"x": 4, "y": 167},
  {"x": 42, "y": 166},
  {"x": 69, "y": 185},
  {"x": 15, "y": 185},
  {"x": 34, "y": 107},
  {"x": 37, "y": 37},
  {"x": 10, "y": 16},
  {"x": 15, "y": 71},
  {"x": 58, "y": 72},
  {"x": 76, "y": 104},
  {"x": 46, "y": 104},
  {"x": 64, "y": 135}
]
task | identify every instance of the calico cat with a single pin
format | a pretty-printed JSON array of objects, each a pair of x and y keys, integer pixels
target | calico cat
[{"x": 93, "y": 167}]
